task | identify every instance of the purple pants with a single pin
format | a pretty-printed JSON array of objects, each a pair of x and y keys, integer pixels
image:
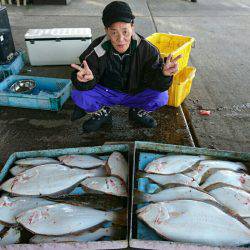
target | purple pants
[{"x": 94, "y": 99}]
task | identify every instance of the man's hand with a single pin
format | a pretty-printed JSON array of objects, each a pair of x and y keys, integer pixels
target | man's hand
[
  {"x": 84, "y": 74},
  {"x": 170, "y": 66}
]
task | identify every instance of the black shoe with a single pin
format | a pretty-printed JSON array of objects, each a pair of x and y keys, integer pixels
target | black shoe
[
  {"x": 142, "y": 117},
  {"x": 99, "y": 118},
  {"x": 77, "y": 113}
]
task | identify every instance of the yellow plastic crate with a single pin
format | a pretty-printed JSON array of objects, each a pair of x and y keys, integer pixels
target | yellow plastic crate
[
  {"x": 181, "y": 86},
  {"x": 175, "y": 44}
]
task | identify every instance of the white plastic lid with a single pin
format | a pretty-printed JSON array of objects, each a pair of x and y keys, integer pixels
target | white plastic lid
[{"x": 58, "y": 33}]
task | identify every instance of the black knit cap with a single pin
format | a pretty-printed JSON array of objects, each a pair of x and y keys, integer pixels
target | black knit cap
[{"x": 117, "y": 11}]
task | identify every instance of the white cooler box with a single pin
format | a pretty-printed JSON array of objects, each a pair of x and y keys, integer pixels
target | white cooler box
[{"x": 58, "y": 46}]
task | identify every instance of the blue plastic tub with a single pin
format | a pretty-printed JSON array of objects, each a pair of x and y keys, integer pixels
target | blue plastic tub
[
  {"x": 100, "y": 151},
  {"x": 14, "y": 67},
  {"x": 142, "y": 236},
  {"x": 49, "y": 93}
]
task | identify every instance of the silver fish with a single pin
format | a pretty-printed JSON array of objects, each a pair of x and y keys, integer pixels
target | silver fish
[
  {"x": 169, "y": 179},
  {"x": 195, "y": 222},
  {"x": 61, "y": 219},
  {"x": 205, "y": 168},
  {"x": 36, "y": 161},
  {"x": 11, "y": 207},
  {"x": 117, "y": 166},
  {"x": 81, "y": 161},
  {"x": 108, "y": 185},
  {"x": 173, "y": 192},
  {"x": 229, "y": 177},
  {"x": 17, "y": 169},
  {"x": 50, "y": 179},
  {"x": 173, "y": 164},
  {"x": 235, "y": 199},
  {"x": 12, "y": 236},
  {"x": 80, "y": 237}
]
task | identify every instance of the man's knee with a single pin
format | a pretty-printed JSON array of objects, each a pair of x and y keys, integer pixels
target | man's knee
[{"x": 158, "y": 100}]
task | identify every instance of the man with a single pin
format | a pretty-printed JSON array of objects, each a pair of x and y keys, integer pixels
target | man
[{"x": 120, "y": 68}]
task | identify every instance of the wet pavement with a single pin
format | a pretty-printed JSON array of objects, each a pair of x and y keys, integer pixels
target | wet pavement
[{"x": 26, "y": 129}]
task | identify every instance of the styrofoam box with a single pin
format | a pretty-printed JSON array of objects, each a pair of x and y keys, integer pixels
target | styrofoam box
[{"x": 57, "y": 46}]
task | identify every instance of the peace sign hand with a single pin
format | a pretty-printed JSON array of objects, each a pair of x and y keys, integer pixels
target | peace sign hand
[
  {"x": 170, "y": 66},
  {"x": 84, "y": 74}
]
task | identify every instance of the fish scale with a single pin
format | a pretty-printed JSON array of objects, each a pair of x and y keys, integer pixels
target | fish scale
[
  {"x": 80, "y": 237},
  {"x": 117, "y": 166},
  {"x": 174, "y": 192},
  {"x": 50, "y": 179},
  {"x": 36, "y": 161},
  {"x": 11, "y": 207},
  {"x": 210, "y": 225},
  {"x": 173, "y": 164},
  {"x": 109, "y": 185},
  {"x": 62, "y": 219},
  {"x": 207, "y": 167},
  {"x": 228, "y": 177},
  {"x": 235, "y": 199},
  {"x": 81, "y": 161}
]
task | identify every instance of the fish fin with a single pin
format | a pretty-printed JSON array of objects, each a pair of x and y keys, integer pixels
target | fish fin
[
  {"x": 227, "y": 211},
  {"x": 90, "y": 191},
  {"x": 194, "y": 166},
  {"x": 210, "y": 172},
  {"x": 107, "y": 168},
  {"x": 172, "y": 185},
  {"x": 222, "y": 184},
  {"x": 158, "y": 189},
  {"x": 214, "y": 186},
  {"x": 141, "y": 197}
]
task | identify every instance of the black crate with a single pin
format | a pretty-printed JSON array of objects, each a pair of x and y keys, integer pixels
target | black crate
[{"x": 7, "y": 48}]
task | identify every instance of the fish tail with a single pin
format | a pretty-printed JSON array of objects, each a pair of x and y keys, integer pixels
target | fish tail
[
  {"x": 107, "y": 168},
  {"x": 141, "y": 197}
]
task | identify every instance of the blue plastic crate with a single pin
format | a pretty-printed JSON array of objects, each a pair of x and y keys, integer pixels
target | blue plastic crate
[
  {"x": 102, "y": 152},
  {"x": 49, "y": 93},
  {"x": 142, "y": 236},
  {"x": 14, "y": 67}
]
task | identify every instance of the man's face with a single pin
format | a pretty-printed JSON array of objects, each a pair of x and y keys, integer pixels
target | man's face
[{"x": 120, "y": 34}]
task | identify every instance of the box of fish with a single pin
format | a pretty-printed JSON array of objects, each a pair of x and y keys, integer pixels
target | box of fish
[
  {"x": 75, "y": 197},
  {"x": 34, "y": 92},
  {"x": 187, "y": 197}
]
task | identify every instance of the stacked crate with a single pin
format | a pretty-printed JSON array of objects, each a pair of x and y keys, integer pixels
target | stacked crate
[{"x": 177, "y": 45}]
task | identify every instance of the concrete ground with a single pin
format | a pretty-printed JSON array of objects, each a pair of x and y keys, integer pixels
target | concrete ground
[{"x": 221, "y": 85}]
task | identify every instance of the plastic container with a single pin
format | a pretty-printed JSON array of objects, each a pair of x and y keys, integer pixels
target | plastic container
[
  {"x": 181, "y": 86},
  {"x": 141, "y": 235},
  {"x": 58, "y": 46},
  {"x": 175, "y": 44},
  {"x": 49, "y": 93},
  {"x": 14, "y": 67},
  {"x": 103, "y": 152}
]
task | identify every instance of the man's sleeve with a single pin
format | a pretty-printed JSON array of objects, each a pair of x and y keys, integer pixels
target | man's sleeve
[
  {"x": 90, "y": 56},
  {"x": 153, "y": 76}
]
